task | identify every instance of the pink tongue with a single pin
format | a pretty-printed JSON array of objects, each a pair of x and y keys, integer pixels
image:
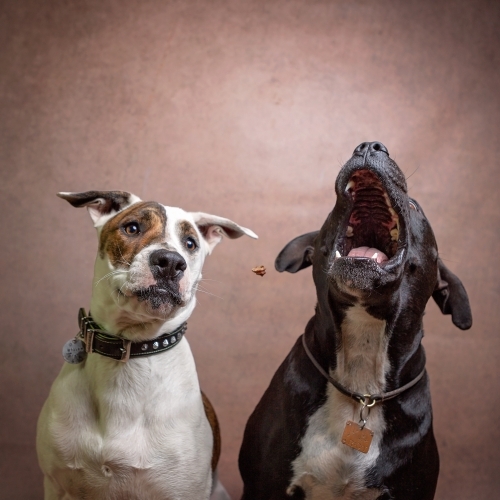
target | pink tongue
[{"x": 368, "y": 252}]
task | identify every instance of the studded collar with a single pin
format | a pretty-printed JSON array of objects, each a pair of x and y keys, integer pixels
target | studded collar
[{"x": 99, "y": 341}]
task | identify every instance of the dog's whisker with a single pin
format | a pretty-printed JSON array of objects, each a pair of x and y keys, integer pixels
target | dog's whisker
[
  {"x": 413, "y": 172},
  {"x": 123, "y": 259},
  {"x": 200, "y": 286},
  {"x": 105, "y": 276},
  {"x": 110, "y": 274},
  {"x": 208, "y": 293},
  {"x": 204, "y": 290},
  {"x": 120, "y": 293},
  {"x": 448, "y": 260}
]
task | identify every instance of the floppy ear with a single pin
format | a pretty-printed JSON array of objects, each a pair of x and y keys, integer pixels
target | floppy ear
[
  {"x": 451, "y": 297},
  {"x": 100, "y": 203},
  {"x": 297, "y": 254},
  {"x": 213, "y": 228}
]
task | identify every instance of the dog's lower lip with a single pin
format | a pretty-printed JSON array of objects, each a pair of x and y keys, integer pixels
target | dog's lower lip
[{"x": 376, "y": 257}]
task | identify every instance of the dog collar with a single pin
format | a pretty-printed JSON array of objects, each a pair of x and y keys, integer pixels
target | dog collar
[
  {"x": 99, "y": 341},
  {"x": 367, "y": 400}
]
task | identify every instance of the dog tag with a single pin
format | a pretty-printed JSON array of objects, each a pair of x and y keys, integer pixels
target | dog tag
[
  {"x": 74, "y": 351},
  {"x": 356, "y": 437}
]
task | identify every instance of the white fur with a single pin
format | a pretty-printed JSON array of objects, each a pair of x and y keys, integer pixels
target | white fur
[
  {"x": 136, "y": 430},
  {"x": 113, "y": 430},
  {"x": 327, "y": 469}
]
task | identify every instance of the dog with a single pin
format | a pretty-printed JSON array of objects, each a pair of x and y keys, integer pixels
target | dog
[
  {"x": 125, "y": 418},
  {"x": 348, "y": 413}
]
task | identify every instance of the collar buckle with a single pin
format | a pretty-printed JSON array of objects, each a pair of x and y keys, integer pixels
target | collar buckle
[
  {"x": 86, "y": 330},
  {"x": 125, "y": 350}
]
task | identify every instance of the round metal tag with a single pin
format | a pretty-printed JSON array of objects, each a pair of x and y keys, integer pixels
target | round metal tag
[{"x": 74, "y": 351}]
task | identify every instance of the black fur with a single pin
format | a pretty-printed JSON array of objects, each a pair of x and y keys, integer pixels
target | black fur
[{"x": 408, "y": 464}]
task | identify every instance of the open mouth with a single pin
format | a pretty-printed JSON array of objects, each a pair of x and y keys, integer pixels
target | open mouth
[{"x": 373, "y": 227}]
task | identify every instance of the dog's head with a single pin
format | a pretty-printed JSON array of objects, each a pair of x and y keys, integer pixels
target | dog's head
[
  {"x": 149, "y": 259},
  {"x": 377, "y": 245}
]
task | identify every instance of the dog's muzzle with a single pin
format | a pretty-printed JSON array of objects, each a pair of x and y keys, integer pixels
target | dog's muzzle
[
  {"x": 167, "y": 268},
  {"x": 369, "y": 219}
]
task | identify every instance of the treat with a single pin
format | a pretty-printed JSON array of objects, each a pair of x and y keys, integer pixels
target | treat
[{"x": 259, "y": 270}]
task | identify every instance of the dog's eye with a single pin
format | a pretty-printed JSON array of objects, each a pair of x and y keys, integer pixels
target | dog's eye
[
  {"x": 413, "y": 206},
  {"x": 190, "y": 244},
  {"x": 132, "y": 228}
]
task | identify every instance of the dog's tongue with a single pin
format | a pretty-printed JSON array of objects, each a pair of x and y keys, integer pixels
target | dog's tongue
[{"x": 368, "y": 252}]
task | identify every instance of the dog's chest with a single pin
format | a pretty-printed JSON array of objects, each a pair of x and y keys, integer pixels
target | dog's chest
[
  {"x": 327, "y": 469},
  {"x": 138, "y": 432}
]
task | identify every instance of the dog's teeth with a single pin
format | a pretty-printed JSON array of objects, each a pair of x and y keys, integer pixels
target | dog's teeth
[
  {"x": 350, "y": 185},
  {"x": 349, "y": 232},
  {"x": 374, "y": 256},
  {"x": 394, "y": 234},
  {"x": 387, "y": 200},
  {"x": 337, "y": 255}
]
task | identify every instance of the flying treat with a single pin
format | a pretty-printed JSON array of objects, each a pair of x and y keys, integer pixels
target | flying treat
[{"x": 259, "y": 270}]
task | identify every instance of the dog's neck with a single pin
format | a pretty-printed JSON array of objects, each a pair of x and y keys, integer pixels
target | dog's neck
[
  {"x": 361, "y": 356},
  {"x": 349, "y": 341}
]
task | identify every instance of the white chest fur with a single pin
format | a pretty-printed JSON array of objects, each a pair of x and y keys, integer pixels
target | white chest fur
[
  {"x": 327, "y": 469},
  {"x": 136, "y": 430}
]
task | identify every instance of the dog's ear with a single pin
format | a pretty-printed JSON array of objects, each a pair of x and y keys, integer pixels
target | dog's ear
[
  {"x": 451, "y": 297},
  {"x": 297, "y": 254},
  {"x": 213, "y": 228},
  {"x": 100, "y": 203}
]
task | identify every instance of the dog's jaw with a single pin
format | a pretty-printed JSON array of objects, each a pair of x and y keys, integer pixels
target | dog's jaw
[
  {"x": 368, "y": 228},
  {"x": 117, "y": 309}
]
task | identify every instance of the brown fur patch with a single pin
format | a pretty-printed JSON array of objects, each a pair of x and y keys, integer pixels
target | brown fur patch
[
  {"x": 186, "y": 230},
  {"x": 214, "y": 423},
  {"x": 120, "y": 247}
]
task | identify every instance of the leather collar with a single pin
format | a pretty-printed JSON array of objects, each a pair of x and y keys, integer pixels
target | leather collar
[
  {"x": 368, "y": 400},
  {"x": 101, "y": 342}
]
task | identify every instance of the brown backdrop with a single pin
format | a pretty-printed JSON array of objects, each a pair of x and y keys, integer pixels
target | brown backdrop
[{"x": 246, "y": 109}]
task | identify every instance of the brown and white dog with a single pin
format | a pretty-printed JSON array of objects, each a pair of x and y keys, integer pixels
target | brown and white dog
[{"x": 134, "y": 425}]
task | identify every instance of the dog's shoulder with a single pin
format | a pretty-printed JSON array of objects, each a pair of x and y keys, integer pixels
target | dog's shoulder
[{"x": 294, "y": 394}]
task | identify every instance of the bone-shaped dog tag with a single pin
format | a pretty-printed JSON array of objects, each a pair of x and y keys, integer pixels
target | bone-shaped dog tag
[
  {"x": 356, "y": 437},
  {"x": 74, "y": 351}
]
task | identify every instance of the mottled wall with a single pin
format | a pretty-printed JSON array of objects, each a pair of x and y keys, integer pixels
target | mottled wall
[{"x": 246, "y": 109}]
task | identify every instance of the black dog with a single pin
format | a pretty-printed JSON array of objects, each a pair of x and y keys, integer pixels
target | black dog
[{"x": 348, "y": 413}]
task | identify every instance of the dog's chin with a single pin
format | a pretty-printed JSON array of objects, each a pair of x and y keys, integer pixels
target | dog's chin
[
  {"x": 155, "y": 301},
  {"x": 363, "y": 277},
  {"x": 160, "y": 298}
]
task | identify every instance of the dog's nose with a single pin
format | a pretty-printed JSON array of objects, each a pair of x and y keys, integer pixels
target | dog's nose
[
  {"x": 370, "y": 147},
  {"x": 168, "y": 264}
]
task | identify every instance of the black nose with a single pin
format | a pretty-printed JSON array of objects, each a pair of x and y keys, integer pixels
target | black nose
[
  {"x": 370, "y": 147},
  {"x": 167, "y": 264}
]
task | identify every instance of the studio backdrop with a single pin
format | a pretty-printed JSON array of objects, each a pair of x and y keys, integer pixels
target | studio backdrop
[{"x": 246, "y": 109}]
